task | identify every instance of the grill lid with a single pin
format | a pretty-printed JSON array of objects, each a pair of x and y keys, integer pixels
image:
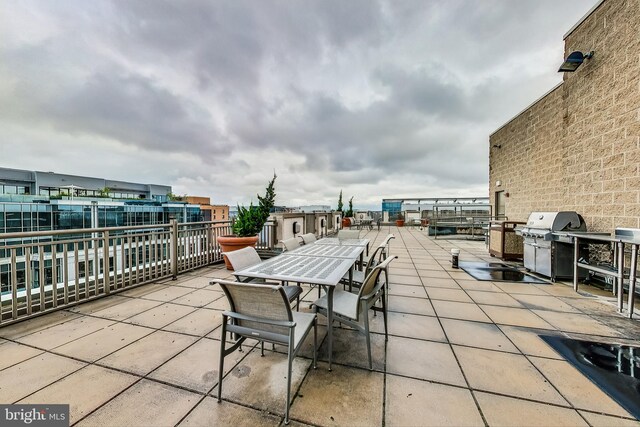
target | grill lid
[{"x": 556, "y": 221}]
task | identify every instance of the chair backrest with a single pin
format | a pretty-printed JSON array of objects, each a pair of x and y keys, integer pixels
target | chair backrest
[
  {"x": 385, "y": 243},
  {"x": 375, "y": 259},
  {"x": 348, "y": 234},
  {"x": 243, "y": 258},
  {"x": 308, "y": 238},
  {"x": 262, "y": 302},
  {"x": 372, "y": 284},
  {"x": 290, "y": 244}
]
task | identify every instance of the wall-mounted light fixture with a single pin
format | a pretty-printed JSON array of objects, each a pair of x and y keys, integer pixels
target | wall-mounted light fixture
[
  {"x": 498, "y": 146},
  {"x": 573, "y": 61},
  {"x": 498, "y": 183}
]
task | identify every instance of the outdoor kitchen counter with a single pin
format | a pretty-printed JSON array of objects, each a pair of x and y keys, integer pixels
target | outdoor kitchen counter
[{"x": 620, "y": 241}]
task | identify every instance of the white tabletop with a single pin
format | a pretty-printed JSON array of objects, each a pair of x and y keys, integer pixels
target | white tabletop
[
  {"x": 332, "y": 251},
  {"x": 300, "y": 268},
  {"x": 342, "y": 242}
]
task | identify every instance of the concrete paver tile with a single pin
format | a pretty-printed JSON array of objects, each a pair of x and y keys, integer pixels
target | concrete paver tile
[
  {"x": 211, "y": 413},
  {"x": 515, "y": 317},
  {"x": 448, "y": 294},
  {"x": 415, "y": 326},
  {"x": 199, "y": 298},
  {"x": 161, "y": 315},
  {"x": 84, "y": 390},
  {"x": 494, "y": 298},
  {"x": 459, "y": 310},
  {"x": 505, "y": 373},
  {"x": 12, "y": 353},
  {"x": 343, "y": 397},
  {"x": 544, "y": 302},
  {"x": 506, "y": 411},
  {"x": 146, "y": 403},
  {"x": 200, "y": 323},
  {"x": 260, "y": 382},
  {"x": 137, "y": 357},
  {"x": 413, "y": 402},
  {"x": 520, "y": 288},
  {"x": 576, "y": 388},
  {"x": 599, "y": 420},
  {"x": 407, "y": 291},
  {"x": 423, "y": 360},
  {"x": 580, "y": 323},
  {"x": 37, "y": 324},
  {"x": 477, "y": 285},
  {"x": 100, "y": 343},
  {"x": 529, "y": 342},
  {"x": 128, "y": 308},
  {"x": 196, "y": 367},
  {"x": 22, "y": 379},
  {"x": 65, "y": 332},
  {"x": 168, "y": 293},
  {"x": 477, "y": 334},
  {"x": 410, "y": 305}
]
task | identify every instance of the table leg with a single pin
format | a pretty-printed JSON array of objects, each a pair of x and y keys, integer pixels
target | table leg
[
  {"x": 632, "y": 279},
  {"x": 576, "y": 256},
  {"x": 620, "y": 276},
  {"x": 330, "y": 321},
  {"x": 351, "y": 278}
]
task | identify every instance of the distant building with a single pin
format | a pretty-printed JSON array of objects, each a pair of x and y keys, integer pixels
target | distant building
[
  {"x": 44, "y": 201},
  {"x": 209, "y": 212},
  {"x": 430, "y": 207},
  {"x": 315, "y": 208}
]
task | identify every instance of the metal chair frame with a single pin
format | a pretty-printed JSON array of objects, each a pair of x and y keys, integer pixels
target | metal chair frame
[{"x": 263, "y": 329}]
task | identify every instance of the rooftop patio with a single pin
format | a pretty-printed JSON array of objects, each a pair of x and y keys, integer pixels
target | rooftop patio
[{"x": 460, "y": 352}]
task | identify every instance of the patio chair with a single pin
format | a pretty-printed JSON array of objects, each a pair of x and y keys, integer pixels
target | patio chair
[
  {"x": 352, "y": 309},
  {"x": 358, "y": 276},
  {"x": 290, "y": 244},
  {"x": 308, "y": 238},
  {"x": 248, "y": 257},
  {"x": 263, "y": 313},
  {"x": 385, "y": 250},
  {"x": 348, "y": 234}
]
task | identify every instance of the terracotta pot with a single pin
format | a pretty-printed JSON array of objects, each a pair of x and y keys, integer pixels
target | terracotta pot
[
  {"x": 233, "y": 243},
  {"x": 346, "y": 223},
  {"x": 399, "y": 222}
]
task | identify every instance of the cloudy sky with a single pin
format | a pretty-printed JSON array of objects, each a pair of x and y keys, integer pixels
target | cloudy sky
[{"x": 377, "y": 98}]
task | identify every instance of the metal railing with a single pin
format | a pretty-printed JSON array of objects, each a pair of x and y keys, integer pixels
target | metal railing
[
  {"x": 471, "y": 224},
  {"x": 49, "y": 270}
]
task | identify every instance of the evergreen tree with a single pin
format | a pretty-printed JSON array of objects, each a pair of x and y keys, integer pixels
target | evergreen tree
[
  {"x": 268, "y": 201},
  {"x": 340, "y": 202}
]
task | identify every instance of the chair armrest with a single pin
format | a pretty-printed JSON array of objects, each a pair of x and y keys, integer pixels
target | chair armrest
[{"x": 285, "y": 323}]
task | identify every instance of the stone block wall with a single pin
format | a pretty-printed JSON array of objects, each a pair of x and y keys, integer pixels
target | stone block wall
[{"x": 578, "y": 147}]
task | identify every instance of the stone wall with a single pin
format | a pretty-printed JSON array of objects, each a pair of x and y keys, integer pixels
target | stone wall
[{"x": 578, "y": 147}]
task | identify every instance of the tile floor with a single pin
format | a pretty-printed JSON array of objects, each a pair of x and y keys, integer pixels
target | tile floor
[{"x": 460, "y": 352}]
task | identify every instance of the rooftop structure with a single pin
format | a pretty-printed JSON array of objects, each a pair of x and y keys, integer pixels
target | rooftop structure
[
  {"x": 44, "y": 201},
  {"x": 460, "y": 352}
]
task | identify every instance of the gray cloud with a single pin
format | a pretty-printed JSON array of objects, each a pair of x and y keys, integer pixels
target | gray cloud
[{"x": 379, "y": 98}]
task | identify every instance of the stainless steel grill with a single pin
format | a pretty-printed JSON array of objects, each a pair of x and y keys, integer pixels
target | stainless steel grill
[{"x": 546, "y": 253}]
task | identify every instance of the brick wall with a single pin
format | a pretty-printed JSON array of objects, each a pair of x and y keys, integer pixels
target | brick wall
[{"x": 578, "y": 147}]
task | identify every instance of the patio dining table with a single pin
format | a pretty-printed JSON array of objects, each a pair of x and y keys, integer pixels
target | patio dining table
[{"x": 318, "y": 264}]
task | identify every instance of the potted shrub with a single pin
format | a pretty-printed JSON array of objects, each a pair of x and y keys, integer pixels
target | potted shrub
[
  {"x": 346, "y": 219},
  {"x": 400, "y": 220},
  {"x": 248, "y": 224}
]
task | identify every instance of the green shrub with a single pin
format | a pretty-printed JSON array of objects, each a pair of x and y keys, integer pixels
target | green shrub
[{"x": 250, "y": 221}]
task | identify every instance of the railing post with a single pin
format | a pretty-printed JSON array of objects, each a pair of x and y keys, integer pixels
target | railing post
[
  {"x": 174, "y": 249},
  {"x": 105, "y": 256},
  {"x": 209, "y": 243},
  {"x": 274, "y": 235}
]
